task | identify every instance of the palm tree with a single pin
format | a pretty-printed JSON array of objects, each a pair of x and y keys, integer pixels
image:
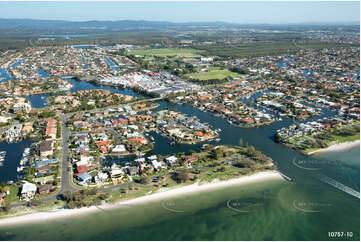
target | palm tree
[{"x": 240, "y": 142}]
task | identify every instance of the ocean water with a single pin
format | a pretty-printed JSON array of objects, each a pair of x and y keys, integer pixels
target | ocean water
[
  {"x": 272, "y": 210},
  {"x": 345, "y": 163}
]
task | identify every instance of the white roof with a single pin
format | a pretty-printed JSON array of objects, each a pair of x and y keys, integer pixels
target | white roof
[
  {"x": 171, "y": 158},
  {"x": 117, "y": 171},
  {"x": 141, "y": 159},
  {"x": 153, "y": 157},
  {"x": 119, "y": 148},
  {"x": 28, "y": 187}
]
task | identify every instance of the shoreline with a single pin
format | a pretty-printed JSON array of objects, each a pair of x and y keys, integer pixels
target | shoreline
[
  {"x": 337, "y": 147},
  {"x": 159, "y": 195}
]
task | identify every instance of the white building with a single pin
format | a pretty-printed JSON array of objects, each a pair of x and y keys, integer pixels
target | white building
[
  {"x": 101, "y": 177},
  {"x": 22, "y": 108},
  {"x": 28, "y": 191},
  {"x": 171, "y": 160},
  {"x": 119, "y": 148}
]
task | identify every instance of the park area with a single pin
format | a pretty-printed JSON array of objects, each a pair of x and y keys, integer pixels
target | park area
[
  {"x": 213, "y": 73},
  {"x": 190, "y": 53}
]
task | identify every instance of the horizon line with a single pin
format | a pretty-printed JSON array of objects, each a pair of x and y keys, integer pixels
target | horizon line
[{"x": 355, "y": 22}]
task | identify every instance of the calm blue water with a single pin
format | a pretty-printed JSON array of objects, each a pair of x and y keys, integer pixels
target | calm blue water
[
  {"x": 38, "y": 101},
  {"x": 4, "y": 73},
  {"x": 83, "y": 47},
  {"x": 42, "y": 73},
  {"x": 13, "y": 156},
  {"x": 17, "y": 63},
  {"x": 112, "y": 65},
  {"x": 305, "y": 73},
  {"x": 282, "y": 64},
  {"x": 83, "y": 85}
]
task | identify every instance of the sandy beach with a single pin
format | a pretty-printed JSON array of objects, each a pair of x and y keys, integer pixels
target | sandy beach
[
  {"x": 161, "y": 194},
  {"x": 338, "y": 147}
]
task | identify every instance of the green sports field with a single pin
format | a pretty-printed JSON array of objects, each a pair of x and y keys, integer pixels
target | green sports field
[{"x": 213, "y": 73}]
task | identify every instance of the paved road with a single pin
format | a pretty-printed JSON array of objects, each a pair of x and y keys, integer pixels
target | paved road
[{"x": 65, "y": 171}]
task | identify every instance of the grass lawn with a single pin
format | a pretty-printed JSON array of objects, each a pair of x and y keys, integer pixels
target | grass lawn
[
  {"x": 213, "y": 73},
  {"x": 336, "y": 139},
  {"x": 168, "y": 52},
  {"x": 43, "y": 179},
  {"x": 13, "y": 196},
  {"x": 341, "y": 139}
]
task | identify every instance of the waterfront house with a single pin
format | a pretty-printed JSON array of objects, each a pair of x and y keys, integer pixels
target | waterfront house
[
  {"x": 27, "y": 128},
  {"x": 28, "y": 191},
  {"x": 116, "y": 174},
  {"x": 51, "y": 128},
  {"x": 171, "y": 160},
  {"x": 84, "y": 177},
  {"x": 101, "y": 177},
  {"x": 41, "y": 163},
  {"x": 190, "y": 159},
  {"x": 46, "y": 148},
  {"x": 82, "y": 168},
  {"x": 45, "y": 189},
  {"x": 119, "y": 148},
  {"x": 132, "y": 170},
  {"x": 21, "y": 108}
]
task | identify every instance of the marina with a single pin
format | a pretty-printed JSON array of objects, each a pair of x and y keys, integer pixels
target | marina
[{"x": 25, "y": 161}]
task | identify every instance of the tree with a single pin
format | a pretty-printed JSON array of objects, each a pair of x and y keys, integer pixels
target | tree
[
  {"x": 251, "y": 151},
  {"x": 244, "y": 163},
  {"x": 181, "y": 176},
  {"x": 240, "y": 142},
  {"x": 145, "y": 180},
  {"x": 7, "y": 207}
]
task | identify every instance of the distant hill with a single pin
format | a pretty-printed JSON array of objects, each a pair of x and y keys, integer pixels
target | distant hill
[
  {"x": 110, "y": 25},
  {"x": 58, "y": 25}
]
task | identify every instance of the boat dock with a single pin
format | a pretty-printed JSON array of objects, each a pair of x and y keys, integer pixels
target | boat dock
[
  {"x": 2, "y": 157},
  {"x": 25, "y": 160}
]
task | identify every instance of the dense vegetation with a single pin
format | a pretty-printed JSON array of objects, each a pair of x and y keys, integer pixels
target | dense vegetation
[{"x": 84, "y": 198}]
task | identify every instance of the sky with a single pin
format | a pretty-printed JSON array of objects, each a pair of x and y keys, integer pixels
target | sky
[{"x": 233, "y": 12}]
